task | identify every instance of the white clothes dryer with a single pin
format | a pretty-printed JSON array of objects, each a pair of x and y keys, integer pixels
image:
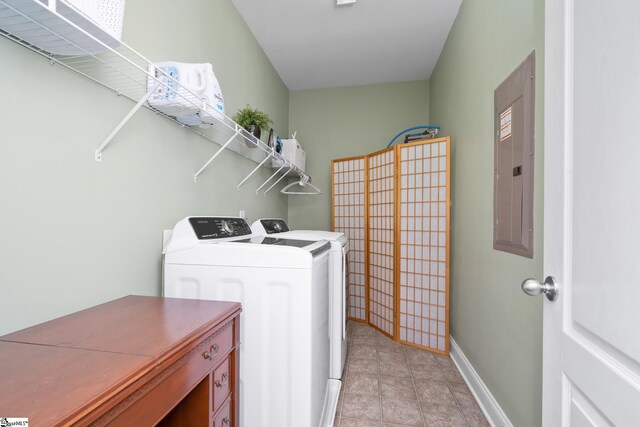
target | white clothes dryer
[
  {"x": 282, "y": 285},
  {"x": 337, "y": 282}
]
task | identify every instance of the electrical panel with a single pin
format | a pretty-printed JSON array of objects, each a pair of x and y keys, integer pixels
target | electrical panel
[{"x": 514, "y": 160}]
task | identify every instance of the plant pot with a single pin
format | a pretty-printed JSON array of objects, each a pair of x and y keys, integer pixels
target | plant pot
[{"x": 255, "y": 131}]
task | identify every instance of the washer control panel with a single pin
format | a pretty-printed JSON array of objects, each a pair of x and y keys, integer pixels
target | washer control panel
[
  {"x": 207, "y": 228},
  {"x": 272, "y": 226}
]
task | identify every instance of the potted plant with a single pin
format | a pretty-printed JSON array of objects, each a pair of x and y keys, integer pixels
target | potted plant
[{"x": 253, "y": 120}]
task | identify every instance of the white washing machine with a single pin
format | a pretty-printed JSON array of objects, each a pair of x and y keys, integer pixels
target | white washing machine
[
  {"x": 337, "y": 282},
  {"x": 283, "y": 287}
]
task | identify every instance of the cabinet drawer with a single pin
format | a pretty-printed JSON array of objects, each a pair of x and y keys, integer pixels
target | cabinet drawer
[
  {"x": 218, "y": 347},
  {"x": 174, "y": 385},
  {"x": 223, "y": 419},
  {"x": 221, "y": 385}
]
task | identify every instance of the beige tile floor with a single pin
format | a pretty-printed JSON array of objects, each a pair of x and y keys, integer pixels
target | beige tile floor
[{"x": 389, "y": 384}]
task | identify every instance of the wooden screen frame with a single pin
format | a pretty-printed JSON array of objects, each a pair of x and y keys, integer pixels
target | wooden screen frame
[
  {"x": 396, "y": 236},
  {"x": 397, "y": 271},
  {"x": 365, "y": 226},
  {"x": 367, "y": 241}
]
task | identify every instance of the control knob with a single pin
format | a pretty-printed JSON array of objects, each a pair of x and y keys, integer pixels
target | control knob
[{"x": 226, "y": 227}]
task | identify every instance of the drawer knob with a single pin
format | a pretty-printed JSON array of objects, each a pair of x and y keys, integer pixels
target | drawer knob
[
  {"x": 223, "y": 380},
  {"x": 213, "y": 350},
  {"x": 226, "y": 420}
]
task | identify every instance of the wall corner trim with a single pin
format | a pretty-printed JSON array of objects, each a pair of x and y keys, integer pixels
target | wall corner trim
[{"x": 489, "y": 405}]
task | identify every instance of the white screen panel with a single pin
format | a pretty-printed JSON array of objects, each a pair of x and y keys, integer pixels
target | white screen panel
[
  {"x": 423, "y": 262},
  {"x": 349, "y": 218},
  {"x": 381, "y": 240}
]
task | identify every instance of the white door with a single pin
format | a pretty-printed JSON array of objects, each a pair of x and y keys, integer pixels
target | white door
[{"x": 592, "y": 213}]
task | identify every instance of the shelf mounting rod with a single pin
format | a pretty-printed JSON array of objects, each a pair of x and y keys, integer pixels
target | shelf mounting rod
[
  {"x": 220, "y": 150},
  {"x": 255, "y": 169},
  {"x": 101, "y": 148},
  {"x": 280, "y": 179},
  {"x": 271, "y": 177}
]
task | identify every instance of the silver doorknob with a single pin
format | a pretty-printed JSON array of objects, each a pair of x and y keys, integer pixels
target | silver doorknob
[{"x": 534, "y": 287}]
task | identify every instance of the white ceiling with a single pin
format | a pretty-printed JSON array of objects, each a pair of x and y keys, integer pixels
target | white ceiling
[{"x": 316, "y": 44}]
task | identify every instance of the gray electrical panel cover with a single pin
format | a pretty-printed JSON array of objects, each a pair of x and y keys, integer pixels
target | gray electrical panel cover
[{"x": 513, "y": 169}]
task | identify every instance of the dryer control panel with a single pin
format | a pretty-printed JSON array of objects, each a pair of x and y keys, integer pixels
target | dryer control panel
[
  {"x": 272, "y": 226},
  {"x": 207, "y": 228}
]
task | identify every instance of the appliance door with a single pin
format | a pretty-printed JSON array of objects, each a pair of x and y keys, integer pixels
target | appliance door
[
  {"x": 337, "y": 309},
  {"x": 345, "y": 251},
  {"x": 324, "y": 394},
  {"x": 343, "y": 288}
]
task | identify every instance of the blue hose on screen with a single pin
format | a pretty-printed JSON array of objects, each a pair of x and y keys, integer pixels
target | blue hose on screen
[{"x": 409, "y": 130}]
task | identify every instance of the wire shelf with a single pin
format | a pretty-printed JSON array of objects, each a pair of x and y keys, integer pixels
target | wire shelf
[{"x": 120, "y": 68}]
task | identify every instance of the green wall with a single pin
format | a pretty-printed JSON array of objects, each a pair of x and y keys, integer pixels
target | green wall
[
  {"x": 344, "y": 122},
  {"x": 75, "y": 233},
  {"x": 498, "y": 328}
]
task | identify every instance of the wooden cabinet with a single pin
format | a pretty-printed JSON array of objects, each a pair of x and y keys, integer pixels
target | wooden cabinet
[{"x": 134, "y": 361}]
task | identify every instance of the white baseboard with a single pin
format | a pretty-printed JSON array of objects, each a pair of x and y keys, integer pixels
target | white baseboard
[{"x": 489, "y": 405}]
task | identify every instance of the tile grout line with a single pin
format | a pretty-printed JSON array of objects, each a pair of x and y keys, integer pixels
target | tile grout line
[
  {"x": 345, "y": 372},
  {"x": 464, "y": 416},
  {"x": 344, "y": 389},
  {"x": 379, "y": 381},
  {"x": 346, "y": 368},
  {"x": 448, "y": 383},
  {"x": 375, "y": 346},
  {"x": 343, "y": 379},
  {"x": 415, "y": 389},
  {"x": 378, "y": 375}
]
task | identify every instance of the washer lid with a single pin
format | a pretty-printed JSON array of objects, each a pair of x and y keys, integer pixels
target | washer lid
[
  {"x": 313, "y": 246},
  {"x": 332, "y": 236},
  {"x": 277, "y": 227},
  {"x": 316, "y": 234},
  {"x": 284, "y": 242}
]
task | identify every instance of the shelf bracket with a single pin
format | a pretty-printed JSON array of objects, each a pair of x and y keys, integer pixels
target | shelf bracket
[
  {"x": 255, "y": 169},
  {"x": 220, "y": 150},
  {"x": 271, "y": 177},
  {"x": 280, "y": 179},
  {"x": 101, "y": 148}
]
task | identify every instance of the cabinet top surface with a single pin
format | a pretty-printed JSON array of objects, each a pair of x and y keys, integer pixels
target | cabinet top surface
[
  {"x": 49, "y": 384},
  {"x": 147, "y": 326}
]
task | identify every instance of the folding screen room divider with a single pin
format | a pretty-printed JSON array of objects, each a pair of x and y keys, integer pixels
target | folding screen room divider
[
  {"x": 349, "y": 217},
  {"x": 394, "y": 206}
]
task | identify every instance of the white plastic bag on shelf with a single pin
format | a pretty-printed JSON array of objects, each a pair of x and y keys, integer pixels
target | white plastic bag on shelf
[
  {"x": 213, "y": 109},
  {"x": 189, "y": 91}
]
